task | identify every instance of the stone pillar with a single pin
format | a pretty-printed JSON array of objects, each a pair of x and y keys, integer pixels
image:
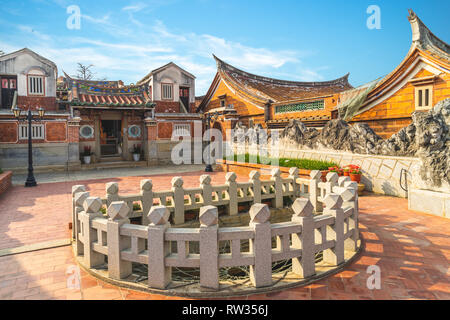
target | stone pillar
[
  {"x": 304, "y": 266},
  {"x": 335, "y": 255},
  {"x": 314, "y": 190},
  {"x": 147, "y": 199},
  {"x": 97, "y": 148},
  {"x": 73, "y": 128},
  {"x": 126, "y": 155},
  {"x": 178, "y": 199},
  {"x": 117, "y": 268},
  {"x": 254, "y": 179},
  {"x": 209, "y": 247},
  {"x": 151, "y": 146},
  {"x": 75, "y": 189},
  {"x": 79, "y": 199},
  {"x": 293, "y": 174},
  {"x": 230, "y": 178},
  {"x": 261, "y": 246},
  {"x": 112, "y": 192},
  {"x": 278, "y": 185},
  {"x": 332, "y": 181},
  {"x": 159, "y": 276},
  {"x": 91, "y": 211},
  {"x": 205, "y": 184}
]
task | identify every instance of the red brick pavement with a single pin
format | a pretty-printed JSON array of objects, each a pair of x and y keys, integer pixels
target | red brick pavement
[{"x": 412, "y": 249}]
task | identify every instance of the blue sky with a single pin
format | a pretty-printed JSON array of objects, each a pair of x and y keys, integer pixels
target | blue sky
[{"x": 292, "y": 40}]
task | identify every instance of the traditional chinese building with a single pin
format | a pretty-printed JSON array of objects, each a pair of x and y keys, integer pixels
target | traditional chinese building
[
  {"x": 239, "y": 96},
  {"x": 420, "y": 81},
  {"x": 107, "y": 118}
]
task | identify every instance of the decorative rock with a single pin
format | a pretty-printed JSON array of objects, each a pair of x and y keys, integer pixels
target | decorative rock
[
  {"x": 205, "y": 179},
  {"x": 146, "y": 184},
  {"x": 332, "y": 201},
  {"x": 92, "y": 204},
  {"x": 302, "y": 207},
  {"x": 230, "y": 176},
  {"x": 80, "y": 197},
  {"x": 177, "y": 182},
  {"x": 209, "y": 216},
  {"x": 118, "y": 210},
  {"x": 259, "y": 213},
  {"x": 112, "y": 188},
  {"x": 158, "y": 215}
]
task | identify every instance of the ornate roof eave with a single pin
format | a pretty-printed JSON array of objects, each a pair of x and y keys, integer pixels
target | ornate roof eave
[
  {"x": 222, "y": 65},
  {"x": 424, "y": 39}
]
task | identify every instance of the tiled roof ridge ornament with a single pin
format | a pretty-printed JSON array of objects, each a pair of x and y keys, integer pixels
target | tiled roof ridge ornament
[
  {"x": 222, "y": 65},
  {"x": 424, "y": 39}
]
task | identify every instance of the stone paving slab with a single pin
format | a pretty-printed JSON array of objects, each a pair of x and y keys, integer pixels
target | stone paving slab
[{"x": 412, "y": 250}]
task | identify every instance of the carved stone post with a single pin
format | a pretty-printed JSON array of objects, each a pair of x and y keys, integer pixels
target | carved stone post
[
  {"x": 278, "y": 185},
  {"x": 209, "y": 247},
  {"x": 205, "y": 184},
  {"x": 314, "y": 190},
  {"x": 75, "y": 189},
  {"x": 335, "y": 255},
  {"x": 147, "y": 199},
  {"x": 112, "y": 192},
  {"x": 261, "y": 246},
  {"x": 353, "y": 203},
  {"x": 159, "y": 276},
  {"x": 117, "y": 268},
  {"x": 332, "y": 181},
  {"x": 178, "y": 199},
  {"x": 230, "y": 178},
  {"x": 254, "y": 179},
  {"x": 304, "y": 266},
  {"x": 91, "y": 211},
  {"x": 79, "y": 199},
  {"x": 293, "y": 174}
]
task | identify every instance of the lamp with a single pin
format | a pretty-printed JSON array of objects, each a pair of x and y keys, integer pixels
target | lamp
[
  {"x": 17, "y": 111},
  {"x": 41, "y": 112}
]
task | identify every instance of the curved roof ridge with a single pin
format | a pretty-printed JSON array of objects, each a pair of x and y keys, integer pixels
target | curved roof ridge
[
  {"x": 227, "y": 67},
  {"x": 424, "y": 39}
]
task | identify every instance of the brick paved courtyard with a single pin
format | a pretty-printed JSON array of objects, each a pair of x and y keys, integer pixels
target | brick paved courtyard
[{"x": 412, "y": 249}]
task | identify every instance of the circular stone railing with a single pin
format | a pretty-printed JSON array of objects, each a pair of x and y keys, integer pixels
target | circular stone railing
[{"x": 154, "y": 256}]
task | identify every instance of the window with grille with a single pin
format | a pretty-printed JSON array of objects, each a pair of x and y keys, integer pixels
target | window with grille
[
  {"x": 167, "y": 91},
  {"x": 182, "y": 130},
  {"x": 37, "y": 131},
  {"x": 35, "y": 85},
  {"x": 303, "y": 106},
  {"x": 424, "y": 97}
]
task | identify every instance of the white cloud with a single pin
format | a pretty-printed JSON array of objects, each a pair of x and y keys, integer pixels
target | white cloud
[{"x": 135, "y": 8}]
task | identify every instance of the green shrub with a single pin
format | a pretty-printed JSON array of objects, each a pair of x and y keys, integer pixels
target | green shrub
[
  {"x": 306, "y": 164},
  {"x": 1, "y": 171}
]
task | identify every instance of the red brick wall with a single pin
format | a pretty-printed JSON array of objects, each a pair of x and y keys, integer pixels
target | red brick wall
[
  {"x": 55, "y": 131},
  {"x": 5, "y": 181},
  {"x": 164, "y": 130},
  {"x": 8, "y": 132},
  {"x": 167, "y": 106},
  {"x": 48, "y": 103},
  {"x": 74, "y": 134}
]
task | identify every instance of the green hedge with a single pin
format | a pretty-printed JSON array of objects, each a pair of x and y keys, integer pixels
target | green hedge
[{"x": 306, "y": 164}]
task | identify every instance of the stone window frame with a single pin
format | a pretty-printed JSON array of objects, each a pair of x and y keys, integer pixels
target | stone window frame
[
  {"x": 180, "y": 127},
  {"x": 86, "y": 126},
  {"x": 423, "y": 89},
  {"x": 170, "y": 85},
  {"x": 37, "y": 131},
  {"x": 37, "y": 76}
]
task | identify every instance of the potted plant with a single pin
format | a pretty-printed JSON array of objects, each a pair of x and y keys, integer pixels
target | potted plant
[
  {"x": 355, "y": 174},
  {"x": 136, "y": 152},
  {"x": 87, "y": 154},
  {"x": 338, "y": 170},
  {"x": 346, "y": 171}
]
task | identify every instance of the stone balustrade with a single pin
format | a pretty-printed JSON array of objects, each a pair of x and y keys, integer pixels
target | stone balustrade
[{"x": 111, "y": 239}]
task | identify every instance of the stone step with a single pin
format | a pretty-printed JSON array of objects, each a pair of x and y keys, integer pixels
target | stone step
[{"x": 114, "y": 164}]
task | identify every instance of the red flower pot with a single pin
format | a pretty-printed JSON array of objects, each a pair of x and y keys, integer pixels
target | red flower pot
[
  {"x": 346, "y": 173},
  {"x": 355, "y": 177}
]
